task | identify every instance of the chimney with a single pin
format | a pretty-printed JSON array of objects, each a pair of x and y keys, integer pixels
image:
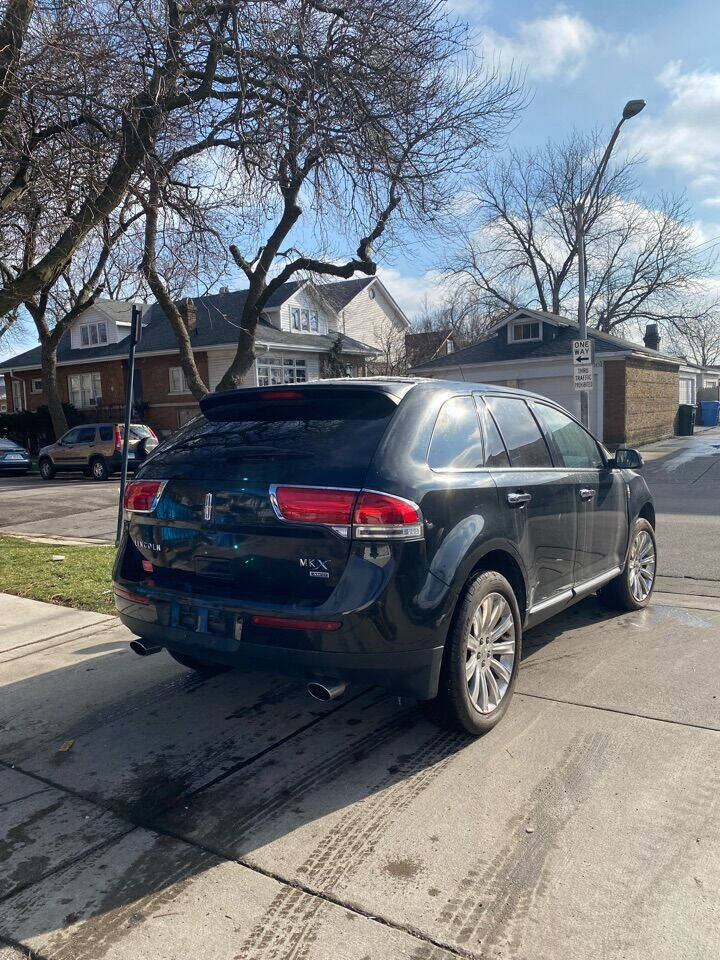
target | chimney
[
  {"x": 224, "y": 289},
  {"x": 652, "y": 336},
  {"x": 187, "y": 312}
]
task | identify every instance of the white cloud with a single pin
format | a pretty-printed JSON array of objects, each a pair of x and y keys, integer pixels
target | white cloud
[
  {"x": 412, "y": 293},
  {"x": 547, "y": 46},
  {"x": 686, "y": 134}
]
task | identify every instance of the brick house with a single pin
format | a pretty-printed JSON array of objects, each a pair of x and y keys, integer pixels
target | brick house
[
  {"x": 637, "y": 388},
  {"x": 300, "y": 325}
]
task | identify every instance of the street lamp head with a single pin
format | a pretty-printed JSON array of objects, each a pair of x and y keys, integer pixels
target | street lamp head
[{"x": 632, "y": 108}]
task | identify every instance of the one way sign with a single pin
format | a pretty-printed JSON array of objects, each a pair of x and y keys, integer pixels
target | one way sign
[{"x": 582, "y": 352}]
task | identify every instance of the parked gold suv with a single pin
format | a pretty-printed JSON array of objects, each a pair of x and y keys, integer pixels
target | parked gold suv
[{"x": 95, "y": 449}]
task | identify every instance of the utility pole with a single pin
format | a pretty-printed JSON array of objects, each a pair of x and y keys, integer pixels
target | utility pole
[
  {"x": 631, "y": 109},
  {"x": 135, "y": 334}
]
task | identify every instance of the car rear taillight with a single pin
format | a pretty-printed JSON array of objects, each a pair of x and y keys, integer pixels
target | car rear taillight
[
  {"x": 366, "y": 514},
  {"x": 118, "y": 439},
  {"x": 141, "y": 496},
  {"x": 314, "y": 504},
  {"x": 380, "y": 515}
]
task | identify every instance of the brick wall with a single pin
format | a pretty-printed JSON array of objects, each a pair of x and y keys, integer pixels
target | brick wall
[
  {"x": 651, "y": 392},
  {"x": 640, "y": 401},
  {"x": 614, "y": 402},
  {"x": 163, "y": 413}
]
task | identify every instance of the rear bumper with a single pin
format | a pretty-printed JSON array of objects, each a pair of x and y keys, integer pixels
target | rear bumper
[{"x": 415, "y": 673}]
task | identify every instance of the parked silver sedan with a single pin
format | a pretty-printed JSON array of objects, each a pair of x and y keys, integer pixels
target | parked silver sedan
[{"x": 13, "y": 456}]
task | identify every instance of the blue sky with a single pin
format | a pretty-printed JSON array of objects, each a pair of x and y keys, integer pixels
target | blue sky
[{"x": 583, "y": 61}]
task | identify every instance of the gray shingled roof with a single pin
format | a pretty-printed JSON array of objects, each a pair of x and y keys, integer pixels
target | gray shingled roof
[
  {"x": 218, "y": 318},
  {"x": 496, "y": 350},
  {"x": 339, "y": 293}
]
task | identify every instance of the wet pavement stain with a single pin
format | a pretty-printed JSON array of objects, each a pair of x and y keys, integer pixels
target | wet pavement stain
[{"x": 403, "y": 869}]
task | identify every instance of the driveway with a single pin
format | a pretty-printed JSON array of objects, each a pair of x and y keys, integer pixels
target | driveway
[
  {"x": 66, "y": 507},
  {"x": 683, "y": 474},
  {"x": 150, "y": 814}
]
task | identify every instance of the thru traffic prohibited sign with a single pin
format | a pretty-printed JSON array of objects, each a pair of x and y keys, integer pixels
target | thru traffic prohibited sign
[
  {"x": 582, "y": 352},
  {"x": 582, "y": 377}
]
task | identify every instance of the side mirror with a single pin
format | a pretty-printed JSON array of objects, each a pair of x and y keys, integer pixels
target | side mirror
[{"x": 627, "y": 459}]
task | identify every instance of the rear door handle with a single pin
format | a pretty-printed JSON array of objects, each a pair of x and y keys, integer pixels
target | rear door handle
[
  {"x": 586, "y": 493},
  {"x": 519, "y": 499}
]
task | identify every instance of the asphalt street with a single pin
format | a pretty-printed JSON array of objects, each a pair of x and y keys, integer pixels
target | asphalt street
[
  {"x": 683, "y": 474},
  {"x": 149, "y": 814}
]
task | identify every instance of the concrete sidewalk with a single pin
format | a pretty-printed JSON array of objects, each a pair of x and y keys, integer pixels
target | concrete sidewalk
[{"x": 152, "y": 814}]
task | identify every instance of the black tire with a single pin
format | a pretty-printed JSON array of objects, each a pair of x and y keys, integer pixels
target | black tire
[
  {"x": 454, "y": 705},
  {"x": 194, "y": 663},
  {"x": 619, "y": 594},
  {"x": 47, "y": 468},
  {"x": 98, "y": 469}
]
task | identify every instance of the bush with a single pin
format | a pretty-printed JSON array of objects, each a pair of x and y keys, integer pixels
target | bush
[{"x": 33, "y": 428}]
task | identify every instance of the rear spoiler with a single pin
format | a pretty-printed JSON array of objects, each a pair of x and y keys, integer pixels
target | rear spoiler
[{"x": 253, "y": 401}]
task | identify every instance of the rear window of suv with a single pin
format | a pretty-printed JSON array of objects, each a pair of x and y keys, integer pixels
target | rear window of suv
[
  {"x": 525, "y": 444},
  {"x": 328, "y": 441}
]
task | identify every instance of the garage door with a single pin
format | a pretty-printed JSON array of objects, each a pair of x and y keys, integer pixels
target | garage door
[{"x": 561, "y": 390}]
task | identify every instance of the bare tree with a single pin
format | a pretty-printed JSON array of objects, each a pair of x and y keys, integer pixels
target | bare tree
[
  {"x": 94, "y": 79},
  {"x": 355, "y": 117},
  {"x": 92, "y": 269},
  {"x": 468, "y": 317},
  {"x": 520, "y": 249},
  {"x": 696, "y": 335}
]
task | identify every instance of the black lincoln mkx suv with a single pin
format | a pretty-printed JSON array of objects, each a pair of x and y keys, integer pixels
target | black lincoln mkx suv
[{"x": 394, "y": 531}]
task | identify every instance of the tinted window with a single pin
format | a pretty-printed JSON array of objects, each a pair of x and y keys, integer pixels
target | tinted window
[
  {"x": 495, "y": 452},
  {"x": 71, "y": 436},
  {"x": 575, "y": 446},
  {"x": 456, "y": 442},
  {"x": 524, "y": 442},
  {"x": 107, "y": 433},
  {"x": 86, "y": 435},
  {"x": 327, "y": 441}
]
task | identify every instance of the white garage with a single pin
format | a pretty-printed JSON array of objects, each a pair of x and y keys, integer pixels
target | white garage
[{"x": 561, "y": 390}]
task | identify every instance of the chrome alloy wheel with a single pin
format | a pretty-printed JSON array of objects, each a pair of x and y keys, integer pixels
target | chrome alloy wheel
[
  {"x": 490, "y": 652},
  {"x": 641, "y": 566}
]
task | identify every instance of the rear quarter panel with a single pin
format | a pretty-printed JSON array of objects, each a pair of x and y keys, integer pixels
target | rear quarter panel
[{"x": 463, "y": 521}]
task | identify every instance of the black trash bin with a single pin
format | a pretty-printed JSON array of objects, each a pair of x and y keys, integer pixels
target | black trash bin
[{"x": 686, "y": 419}]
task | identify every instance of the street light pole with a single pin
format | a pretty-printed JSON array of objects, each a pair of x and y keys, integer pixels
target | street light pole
[
  {"x": 631, "y": 109},
  {"x": 135, "y": 333}
]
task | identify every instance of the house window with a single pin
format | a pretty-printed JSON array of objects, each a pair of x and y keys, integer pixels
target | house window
[
  {"x": 93, "y": 334},
  {"x": 304, "y": 321},
  {"x": 449, "y": 346},
  {"x": 178, "y": 382},
  {"x": 85, "y": 390},
  {"x": 527, "y": 330},
  {"x": 37, "y": 386},
  {"x": 18, "y": 392},
  {"x": 273, "y": 371}
]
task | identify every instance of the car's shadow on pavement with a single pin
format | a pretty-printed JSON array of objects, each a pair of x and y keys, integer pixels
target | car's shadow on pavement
[{"x": 164, "y": 774}]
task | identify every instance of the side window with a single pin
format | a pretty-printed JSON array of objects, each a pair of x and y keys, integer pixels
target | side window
[
  {"x": 495, "y": 452},
  {"x": 71, "y": 436},
  {"x": 575, "y": 446},
  {"x": 525, "y": 444},
  {"x": 456, "y": 443},
  {"x": 107, "y": 433},
  {"x": 86, "y": 435}
]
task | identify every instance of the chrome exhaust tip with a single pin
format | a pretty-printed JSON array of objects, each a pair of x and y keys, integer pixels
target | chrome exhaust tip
[
  {"x": 143, "y": 649},
  {"x": 326, "y": 691}
]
